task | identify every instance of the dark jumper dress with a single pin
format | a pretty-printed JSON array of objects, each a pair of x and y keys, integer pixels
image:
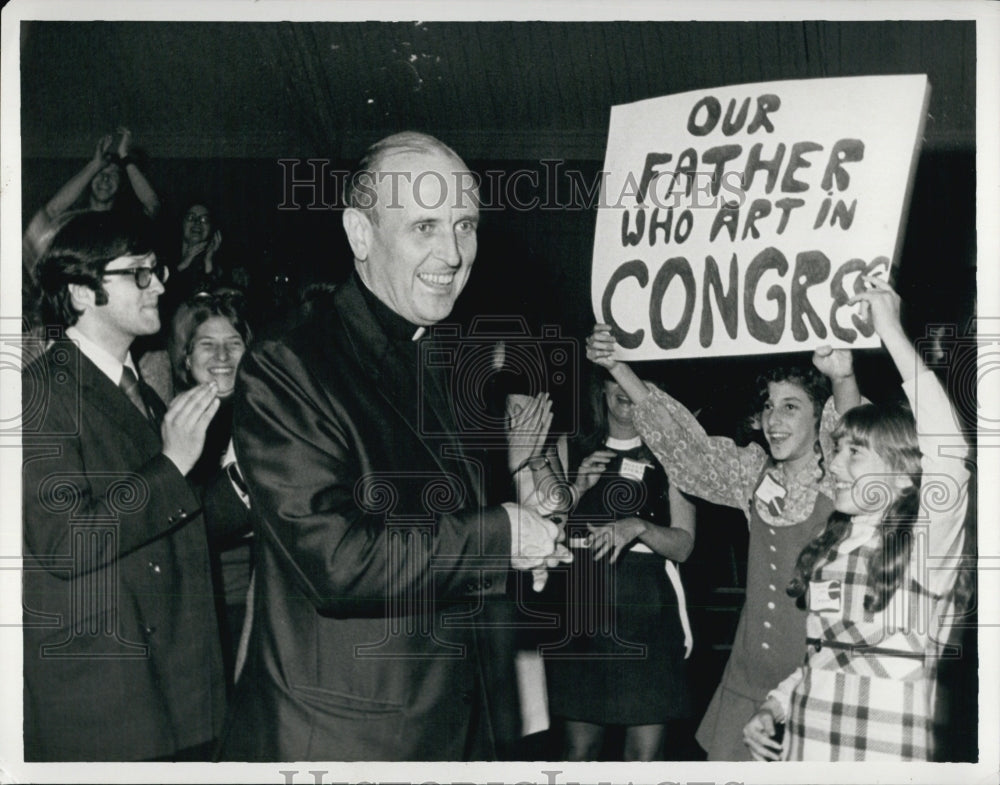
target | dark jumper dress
[{"x": 620, "y": 659}]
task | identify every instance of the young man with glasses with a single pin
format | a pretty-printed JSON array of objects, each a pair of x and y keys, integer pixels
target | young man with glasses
[{"x": 121, "y": 651}]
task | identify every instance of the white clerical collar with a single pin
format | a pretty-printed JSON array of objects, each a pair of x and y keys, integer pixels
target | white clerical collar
[
  {"x": 623, "y": 444},
  {"x": 419, "y": 333},
  {"x": 109, "y": 365}
]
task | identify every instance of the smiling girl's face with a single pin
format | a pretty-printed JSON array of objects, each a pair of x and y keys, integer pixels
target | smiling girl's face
[
  {"x": 789, "y": 423},
  {"x": 866, "y": 482}
]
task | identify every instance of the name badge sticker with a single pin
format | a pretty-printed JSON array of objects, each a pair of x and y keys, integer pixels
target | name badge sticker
[
  {"x": 772, "y": 494},
  {"x": 632, "y": 470},
  {"x": 824, "y": 595}
]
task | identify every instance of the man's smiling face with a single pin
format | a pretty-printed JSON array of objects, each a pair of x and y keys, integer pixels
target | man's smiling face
[{"x": 421, "y": 237}]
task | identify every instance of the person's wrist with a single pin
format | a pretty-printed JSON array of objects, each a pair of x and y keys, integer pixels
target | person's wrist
[
  {"x": 773, "y": 707},
  {"x": 180, "y": 463},
  {"x": 532, "y": 462}
]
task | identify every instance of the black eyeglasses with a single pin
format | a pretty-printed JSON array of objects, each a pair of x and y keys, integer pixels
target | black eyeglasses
[{"x": 144, "y": 275}]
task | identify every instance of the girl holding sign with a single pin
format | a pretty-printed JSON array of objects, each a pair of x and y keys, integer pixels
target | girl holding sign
[
  {"x": 786, "y": 495},
  {"x": 877, "y": 616}
]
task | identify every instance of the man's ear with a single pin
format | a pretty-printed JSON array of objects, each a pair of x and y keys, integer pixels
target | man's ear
[
  {"x": 81, "y": 297},
  {"x": 358, "y": 228}
]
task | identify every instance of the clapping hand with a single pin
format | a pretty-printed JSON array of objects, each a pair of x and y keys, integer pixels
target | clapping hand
[
  {"x": 103, "y": 145},
  {"x": 185, "y": 423},
  {"x": 215, "y": 242},
  {"x": 125, "y": 143},
  {"x": 590, "y": 470},
  {"x": 529, "y": 418},
  {"x": 613, "y": 537}
]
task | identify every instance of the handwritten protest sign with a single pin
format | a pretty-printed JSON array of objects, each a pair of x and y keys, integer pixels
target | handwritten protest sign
[{"x": 739, "y": 220}]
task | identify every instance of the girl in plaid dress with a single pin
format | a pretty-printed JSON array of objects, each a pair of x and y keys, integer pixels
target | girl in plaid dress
[{"x": 880, "y": 582}]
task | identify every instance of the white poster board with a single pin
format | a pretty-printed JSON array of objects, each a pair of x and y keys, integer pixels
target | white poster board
[{"x": 738, "y": 220}]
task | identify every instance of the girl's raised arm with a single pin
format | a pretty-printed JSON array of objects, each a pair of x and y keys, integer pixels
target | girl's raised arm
[
  {"x": 943, "y": 448},
  {"x": 713, "y": 468}
]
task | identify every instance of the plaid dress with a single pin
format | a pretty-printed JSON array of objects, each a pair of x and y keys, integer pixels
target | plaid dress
[{"x": 866, "y": 691}]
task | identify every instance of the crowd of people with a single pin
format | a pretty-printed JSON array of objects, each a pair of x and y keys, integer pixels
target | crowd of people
[{"x": 295, "y": 547}]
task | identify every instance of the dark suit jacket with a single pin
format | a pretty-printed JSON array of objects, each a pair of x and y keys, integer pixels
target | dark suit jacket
[
  {"x": 375, "y": 557},
  {"x": 121, "y": 651}
]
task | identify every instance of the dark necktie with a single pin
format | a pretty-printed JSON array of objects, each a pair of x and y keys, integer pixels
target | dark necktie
[{"x": 130, "y": 386}]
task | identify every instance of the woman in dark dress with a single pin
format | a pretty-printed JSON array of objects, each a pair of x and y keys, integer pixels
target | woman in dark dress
[{"x": 625, "y": 631}]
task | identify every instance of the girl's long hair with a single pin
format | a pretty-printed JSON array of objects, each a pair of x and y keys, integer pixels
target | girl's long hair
[{"x": 890, "y": 431}]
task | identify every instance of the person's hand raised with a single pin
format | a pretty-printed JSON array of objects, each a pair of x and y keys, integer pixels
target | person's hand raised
[
  {"x": 881, "y": 304},
  {"x": 833, "y": 363},
  {"x": 125, "y": 143},
  {"x": 529, "y": 418},
  {"x": 103, "y": 145},
  {"x": 601, "y": 347},
  {"x": 185, "y": 423},
  {"x": 591, "y": 469},
  {"x": 215, "y": 242}
]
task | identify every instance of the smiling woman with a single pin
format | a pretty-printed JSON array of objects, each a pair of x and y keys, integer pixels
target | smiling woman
[{"x": 208, "y": 336}]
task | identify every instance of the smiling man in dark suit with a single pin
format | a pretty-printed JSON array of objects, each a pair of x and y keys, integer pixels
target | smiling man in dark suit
[
  {"x": 121, "y": 651},
  {"x": 376, "y": 556}
]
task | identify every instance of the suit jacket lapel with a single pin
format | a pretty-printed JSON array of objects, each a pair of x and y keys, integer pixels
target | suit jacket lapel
[{"x": 101, "y": 393}]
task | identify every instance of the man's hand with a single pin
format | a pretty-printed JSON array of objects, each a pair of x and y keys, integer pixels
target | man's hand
[
  {"x": 185, "y": 423},
  {"x": 535, "y": 543}
]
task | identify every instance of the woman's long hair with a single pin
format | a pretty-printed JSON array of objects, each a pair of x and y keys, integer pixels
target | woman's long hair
[
  {"x": 596, "y": 432},
  {"x": 889, "y": 431}
]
